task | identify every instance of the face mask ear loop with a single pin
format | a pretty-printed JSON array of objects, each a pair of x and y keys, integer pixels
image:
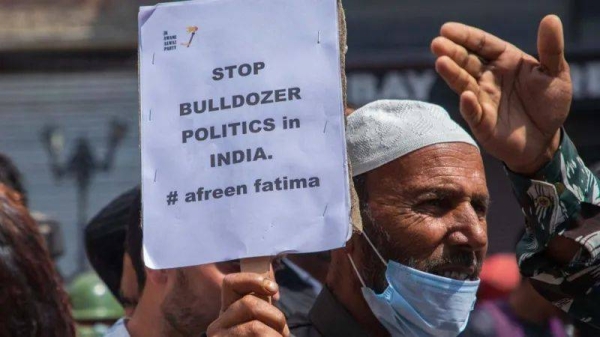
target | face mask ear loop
[
  {"x": 375, "y": 249},
  {"x": 356, "y": 271}
]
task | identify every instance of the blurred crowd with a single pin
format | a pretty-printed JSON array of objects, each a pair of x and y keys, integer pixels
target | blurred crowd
[{"x": 36, "y": 301}]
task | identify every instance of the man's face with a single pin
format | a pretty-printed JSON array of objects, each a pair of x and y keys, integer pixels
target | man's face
[
  {"x": 427, "y": 210},
  {"x": 193, "y": 297}
]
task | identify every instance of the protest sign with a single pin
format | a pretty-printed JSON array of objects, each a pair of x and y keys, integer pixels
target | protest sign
[{"x": 242, "y": 132}]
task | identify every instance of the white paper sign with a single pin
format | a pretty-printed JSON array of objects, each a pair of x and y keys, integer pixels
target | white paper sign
[{"x": 242, "y": 132}]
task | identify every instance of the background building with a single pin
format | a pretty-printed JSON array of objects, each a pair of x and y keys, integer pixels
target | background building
[{"x": 72, "y": 64}]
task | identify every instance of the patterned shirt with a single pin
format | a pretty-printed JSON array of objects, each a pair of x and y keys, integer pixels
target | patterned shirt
[{"x": 562, "y": 199}]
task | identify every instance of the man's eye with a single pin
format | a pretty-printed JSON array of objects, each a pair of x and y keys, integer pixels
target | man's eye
[
  {"x": 434, "y": 204},
  {"x": 480, "y": 208}
]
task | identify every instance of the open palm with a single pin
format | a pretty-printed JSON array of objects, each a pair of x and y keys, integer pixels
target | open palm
[{"x": 513, "y": 103}]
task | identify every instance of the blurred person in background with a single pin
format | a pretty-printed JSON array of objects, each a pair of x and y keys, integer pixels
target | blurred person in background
[
  {"x": 12, "y": 177},
  {"x": 189, "y": 298},
  {"x": 94, "y": 308},
  {"x": 48, "y": 227},
  {"x": 525, "y": 313},
  {"x": 183, "y": 301},
  {"x": 114, "y": 247},
  {"x": 141, "y": 301},
  {"x": 174, "y": 302},
  {"x": 499, "y": 277},
  {"x": 153, "y": 314},
  {"x": 521, "y": 312},
  {"x": 106, "y": 247},
  {"x": 33, "y": 302}
]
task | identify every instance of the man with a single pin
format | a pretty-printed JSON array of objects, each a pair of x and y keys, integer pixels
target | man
[
  {"x": 105, "y": 246},
  {"x": 173, "y": 302},
  {"x": 184, "y": 301},
  {"x": 190, "y": 296},
  {"x": 423, "y": 203},
  {"x": 425, "y": 208},
  {"x": 133, "y": 289}
]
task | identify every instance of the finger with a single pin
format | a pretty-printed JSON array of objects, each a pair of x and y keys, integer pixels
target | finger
[
  {"x": 254, "y": 329},
  {"x": 237, "y": 285},
  {"x": 271, "y": 275},
  {"x": 470, "y": 109},
  {"x": 456, "y": 77},
  {"x": 551, "y": 45},
  {"x": 474, "y": 39},
  {"x": 251, "y": 308},
  {"x": 248, "y": 329},
  {"x": 479, "y": 114},
  {"x": 441, "y": 46}
]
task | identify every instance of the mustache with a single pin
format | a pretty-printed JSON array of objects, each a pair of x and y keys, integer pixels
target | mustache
[{"x": 460, "y": 259}]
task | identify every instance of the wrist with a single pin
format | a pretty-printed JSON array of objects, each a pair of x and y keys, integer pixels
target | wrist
[{"x": 529, "y": 169}]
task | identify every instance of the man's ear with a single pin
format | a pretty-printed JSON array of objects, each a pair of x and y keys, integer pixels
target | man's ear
[{"x": 157, "y": 276}]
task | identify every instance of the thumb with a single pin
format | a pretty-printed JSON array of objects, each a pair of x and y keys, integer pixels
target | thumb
[
  {"x": 551, "y": 45},
  {"x": 238, "y": 285}
]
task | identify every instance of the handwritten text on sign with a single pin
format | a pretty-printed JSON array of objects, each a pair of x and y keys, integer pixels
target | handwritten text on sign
[{"x": 242, "y": 131}]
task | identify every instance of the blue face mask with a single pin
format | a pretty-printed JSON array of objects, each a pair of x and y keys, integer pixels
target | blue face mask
[{"x": 420, "y": 304}]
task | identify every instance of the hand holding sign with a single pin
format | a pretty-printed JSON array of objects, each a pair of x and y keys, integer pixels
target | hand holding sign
[{"x": 243, "y": 313}]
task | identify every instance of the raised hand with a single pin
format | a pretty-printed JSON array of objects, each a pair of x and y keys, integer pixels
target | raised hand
[
  {"x": 243, "y": 313},
  {"x": 513, "y": 103}
]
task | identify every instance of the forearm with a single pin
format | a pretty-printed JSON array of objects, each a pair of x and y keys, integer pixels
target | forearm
[
  {"x": 552, "y": 202},
  {"x": 560, "y": 251}
]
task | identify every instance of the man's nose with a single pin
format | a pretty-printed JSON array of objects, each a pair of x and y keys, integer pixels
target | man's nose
[{"x": 468, "y": 229}]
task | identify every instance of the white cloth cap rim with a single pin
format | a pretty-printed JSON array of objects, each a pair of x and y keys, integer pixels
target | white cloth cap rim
[{"x": 385, "y": 130}]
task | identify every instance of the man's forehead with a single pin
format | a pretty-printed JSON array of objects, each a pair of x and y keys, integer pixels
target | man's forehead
[{"x": 448, "y": 165}]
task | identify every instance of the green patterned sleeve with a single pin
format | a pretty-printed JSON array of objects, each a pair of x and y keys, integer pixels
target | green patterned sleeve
[{"x": 562, "y": 199}]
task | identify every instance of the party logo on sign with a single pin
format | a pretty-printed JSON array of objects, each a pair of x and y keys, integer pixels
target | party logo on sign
[{"x": 191, "y": 30}]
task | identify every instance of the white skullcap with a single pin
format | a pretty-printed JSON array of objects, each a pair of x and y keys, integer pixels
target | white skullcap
[{"x": 385, "y": 130}]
